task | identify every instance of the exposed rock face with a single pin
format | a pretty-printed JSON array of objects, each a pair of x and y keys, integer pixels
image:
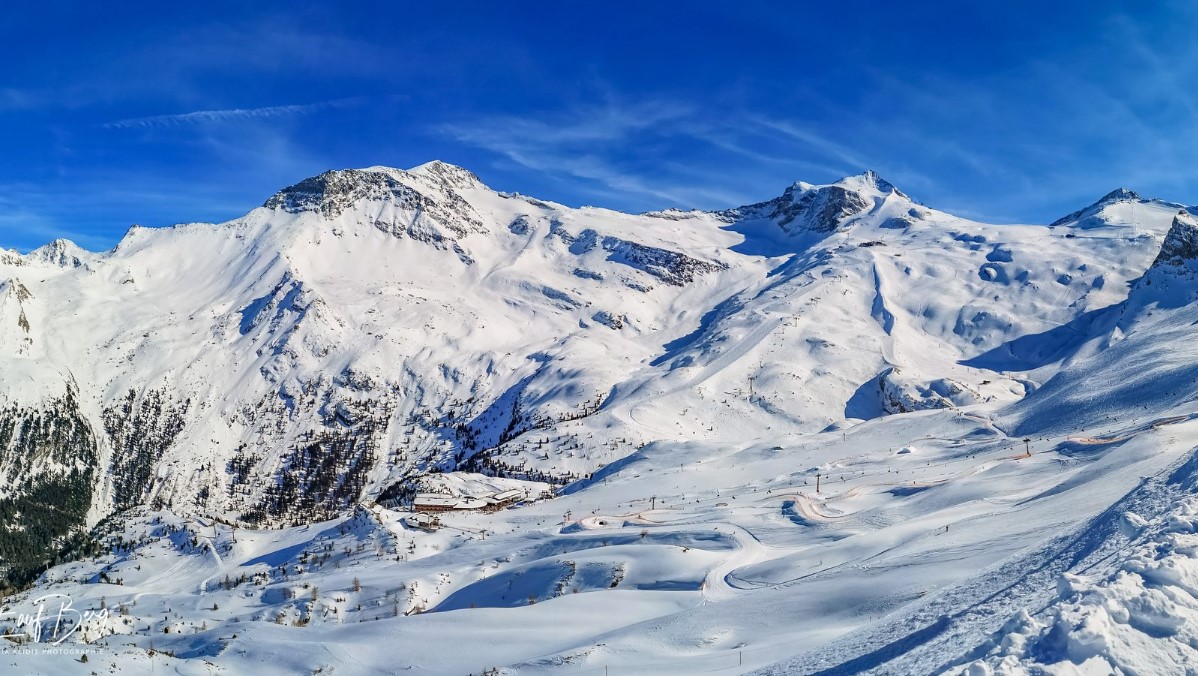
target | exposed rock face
[
  {"x": 332, "y": 192},
  {"x": 15, "y": 327},
  {"x": 448, "y": 176},
  {"x": 902, "y": 394},
  {"x": 819, "y": 210},
  {"x": 425, "y": 204},
  {"x": 822, "y": 209},
  {"x": 611, "y": 321},
  {"x": 1181, "y": 242},
  {"x": 62, "y": 253},
  {"x": 671, "y": 267},
  {"x": 12, "y": 258}
]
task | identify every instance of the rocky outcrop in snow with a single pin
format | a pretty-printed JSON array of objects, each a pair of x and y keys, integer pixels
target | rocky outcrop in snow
[
  {"x": 422, "y": 205},
  {"x": 1181, "y": 243},
  {"x": 15, "y": 328},
  {"x": 820, "y": 209},
  {"x": 902, "y": 394},
  {"x": 62, "y": 253}
]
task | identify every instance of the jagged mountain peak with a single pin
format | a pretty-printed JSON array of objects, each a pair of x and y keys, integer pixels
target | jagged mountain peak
[
  {"x": 1181, "y": 242},
  {"x": 867, "y": 181},
  {"x": 805, "y": 207},
  {"x": 11, "y": 257},
  {"x": 333, "y": 191},
  {"x": 450, "y": 174},
  {"x": 423, "y": 203},
  {"x": 63, "y": 253},
  {"x": 1119, "y": 195}
]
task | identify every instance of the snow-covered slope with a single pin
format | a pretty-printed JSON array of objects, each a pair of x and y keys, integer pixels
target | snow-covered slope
[{"x": 364, "y": 328}]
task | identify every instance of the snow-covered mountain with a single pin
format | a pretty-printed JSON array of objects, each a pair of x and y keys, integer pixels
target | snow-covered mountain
[{"x": 368, "y": 334}]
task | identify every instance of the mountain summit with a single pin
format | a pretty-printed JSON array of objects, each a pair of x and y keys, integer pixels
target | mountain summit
[
  {"x": 708, "y": 417},
  {"x": 1086, "y": 215},
  {"x": 807, "y": 208}
]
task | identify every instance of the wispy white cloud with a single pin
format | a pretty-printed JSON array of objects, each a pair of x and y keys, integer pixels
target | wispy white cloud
[
  {"x": 230, "y": 114},
  {"x": 515, "y": 136},
  {"x": 817, "y": 142},
  {"x": 571, "y": 144},
  {"x": 657, "y": 152},
  {"x": 253, "y": 161}
]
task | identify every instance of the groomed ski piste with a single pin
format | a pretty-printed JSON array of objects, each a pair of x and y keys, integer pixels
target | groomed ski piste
[
  {"x": 935, "y": 543},
  {"x": 917, "y": 447}
]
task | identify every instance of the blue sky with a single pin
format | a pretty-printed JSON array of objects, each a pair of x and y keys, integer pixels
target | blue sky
[{"x": 1005, "y": 111}]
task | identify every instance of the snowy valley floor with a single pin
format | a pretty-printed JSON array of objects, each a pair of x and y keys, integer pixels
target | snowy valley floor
[{"x": 935, "y": 543}]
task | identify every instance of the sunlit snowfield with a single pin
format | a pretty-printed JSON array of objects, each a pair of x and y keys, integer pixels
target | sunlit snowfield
[{"x": 837, "y": 431}]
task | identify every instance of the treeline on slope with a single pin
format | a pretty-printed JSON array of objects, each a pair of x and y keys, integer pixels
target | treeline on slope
[
  {"x": 325, "y": 472},
  {"x": 488, "y": 461},
  {"x": 322, "y": 473},
  {"x": 49, "y": 458},
  {"x": 140, "y": 430}
]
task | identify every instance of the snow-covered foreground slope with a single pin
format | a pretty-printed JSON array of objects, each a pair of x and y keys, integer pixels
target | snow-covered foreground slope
[
  {"x": 917, "y": 552},
  {"x": 833, "y": 432}
]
